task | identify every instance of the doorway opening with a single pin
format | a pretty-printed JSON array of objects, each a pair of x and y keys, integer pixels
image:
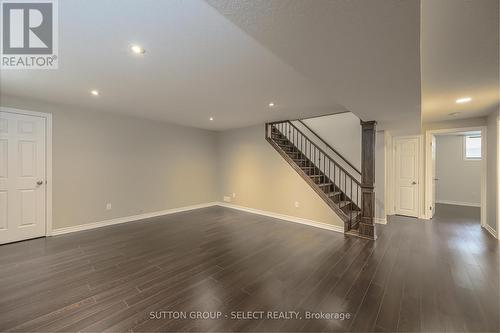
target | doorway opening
[{"x": 456, "y": 173}]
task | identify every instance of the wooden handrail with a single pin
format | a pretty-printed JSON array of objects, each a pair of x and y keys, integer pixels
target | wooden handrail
[
  {"x": 322, "y": 151},
  {"x": 329, "y": 146}
]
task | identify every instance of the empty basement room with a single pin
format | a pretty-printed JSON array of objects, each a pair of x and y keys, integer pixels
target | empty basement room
[{"x": 249, "y": 166}]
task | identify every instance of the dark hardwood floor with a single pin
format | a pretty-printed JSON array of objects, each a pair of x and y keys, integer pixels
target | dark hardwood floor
[{"x": 418, "y": 276}]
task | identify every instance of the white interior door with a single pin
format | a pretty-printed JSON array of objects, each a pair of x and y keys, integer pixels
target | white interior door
[
  {"x": 407, "y": 177},
  {"x": 22, "y": 177},
  {"x": 434, "y": 176}
]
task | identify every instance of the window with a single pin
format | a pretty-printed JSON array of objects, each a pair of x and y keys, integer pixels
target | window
[{"x": 472, "y": 147}]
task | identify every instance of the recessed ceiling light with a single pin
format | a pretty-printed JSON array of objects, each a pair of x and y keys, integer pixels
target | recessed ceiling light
[
  {"x": 211, "y": 118},
  {"x": 453, "y": 114},
  {"x": 95, "y": 92},
  {"x": 137, "y": 49},
  {"x": 271, "y": 105},
  {"x": 463, "y": 100}
]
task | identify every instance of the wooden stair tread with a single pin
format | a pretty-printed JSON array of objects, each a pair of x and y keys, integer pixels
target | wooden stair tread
[
  {"x": 325, "y": 184},
  {"x": 353, "y": 213},
  {"x": 343, "y": 203}
]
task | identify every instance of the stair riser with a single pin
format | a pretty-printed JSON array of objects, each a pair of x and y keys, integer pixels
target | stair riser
[
  {"x": 279, "y": 137},
  {"x": 346, "y": 209},
  {"x": 336, "y": 199},
  {"x": 303, "y": 163},
  {"x": 296, "y": 155},
  {"x": 327, "y": 189},
  {"x": 312, "y": 171},
  {"x": 319, "y": 180},
  {"x": 289, "y": 150}
]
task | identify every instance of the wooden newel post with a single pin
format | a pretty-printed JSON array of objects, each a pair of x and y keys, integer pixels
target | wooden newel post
[{"x": 367, "y": 223}]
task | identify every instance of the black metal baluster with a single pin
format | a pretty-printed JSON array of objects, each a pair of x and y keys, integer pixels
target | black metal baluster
[
  {"x": 329, "y": 171},
  {"x": 335, "y": 174},
  {"x": 350, "y": 205},
  {"x": 350, "y": 194},
  {"x": 324, "y": 166},
  {"x": 357, "y": 191},
  {"x": 345, "y": 186},
  {"x": 314, "y": 161}
]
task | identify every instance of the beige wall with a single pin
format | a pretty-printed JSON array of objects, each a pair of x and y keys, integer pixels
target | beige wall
[
  {"x": 138, "y": 166},
  {"x": 262, "y": 179}
]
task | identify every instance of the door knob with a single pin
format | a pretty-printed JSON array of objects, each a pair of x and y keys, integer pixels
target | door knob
[
  {"x": 39, "y": 183},
  {"x": 414, "y": 183}
]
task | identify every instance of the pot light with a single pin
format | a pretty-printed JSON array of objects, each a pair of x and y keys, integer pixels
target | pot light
[
  {"x": 463, "y": 100},
  {"x": 211, "y": 118},
  {"x": 137, "y": 49},
  {"x": 271, "y": 105},
  {"x": 94, "y": 92}
]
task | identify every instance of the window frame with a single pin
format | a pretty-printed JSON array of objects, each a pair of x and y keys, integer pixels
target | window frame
[{"x": 465, "y": 148}]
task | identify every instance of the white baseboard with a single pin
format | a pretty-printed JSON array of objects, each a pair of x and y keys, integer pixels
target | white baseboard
[
  {"x": 284, "y": 217},
  {"x": 380, "y": 220},
  {"x": 126, "y": 219},
  {"x": 492, "y": 231},
  {"x": 458, "y": 203},
  {"x": 119, "y": 220}
]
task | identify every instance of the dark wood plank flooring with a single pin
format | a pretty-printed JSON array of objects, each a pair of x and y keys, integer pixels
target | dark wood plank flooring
[{"x": 418, "y": 276}]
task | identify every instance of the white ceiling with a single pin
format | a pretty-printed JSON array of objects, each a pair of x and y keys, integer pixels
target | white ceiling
[
  {"x": 229, "y": 59},
  {"x": 364, "y": 53},
  {"x": 460, "y": 56}
]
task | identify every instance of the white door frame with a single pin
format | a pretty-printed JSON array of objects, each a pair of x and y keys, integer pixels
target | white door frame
[
  {"x": 420, "y": 170},
  {"x": 428, "y": 166},
  {"x": 48, "y": 160}
]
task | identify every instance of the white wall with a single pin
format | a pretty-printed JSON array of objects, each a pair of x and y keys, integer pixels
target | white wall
[
  {"x": 459, "y": 179},
  {"x": 342, "y": 131},
  {"x": 380, "y": 180},
  {"x": 454, "y": 123}
]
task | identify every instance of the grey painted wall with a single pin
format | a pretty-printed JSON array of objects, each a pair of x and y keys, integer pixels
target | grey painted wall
[
  {"x": 138, "y": 166},
  {"x": 492, "y": 173},
  {"x": 459, "y": 179}
]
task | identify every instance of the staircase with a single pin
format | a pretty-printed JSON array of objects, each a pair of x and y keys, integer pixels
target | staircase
[{"x": 340, "y": 189}]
